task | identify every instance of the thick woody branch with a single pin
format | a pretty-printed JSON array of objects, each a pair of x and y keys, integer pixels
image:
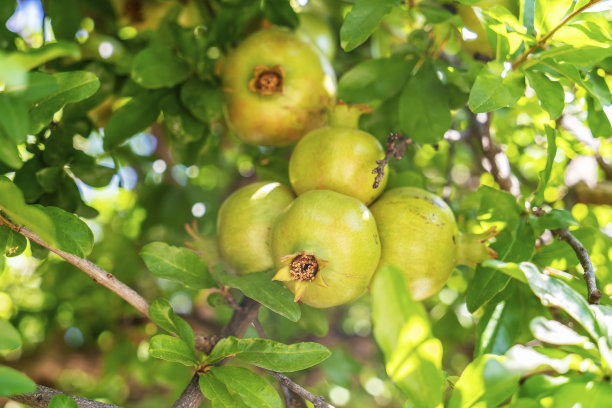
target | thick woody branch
[
  {"x": 191, "y": 397},
  {"x": 594, "y": 294},
  {"x": 395, "y": 147},
  {"x": 41, "y": 397},
  {"x": 98, "y": 274}
]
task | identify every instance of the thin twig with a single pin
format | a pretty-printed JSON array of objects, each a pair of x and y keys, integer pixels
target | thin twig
[
  {"x": 496, "y": 157},
  {"x": 396, "y": 147},
  {"x": 594, "y": 294},
  {"x": 546, "y": 37},
  {"x": 41, "y": 397},
  {"x": 98, "y": 274},
  {"x": 319, "y": 402}
]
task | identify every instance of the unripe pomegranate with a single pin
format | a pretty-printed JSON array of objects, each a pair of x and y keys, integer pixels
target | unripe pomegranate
[
  {"x": 244, "y": 223},
  {"x": 419, "y": 236},
  {"x": 338, "y": 157},
  {"x": 276, "y": 88},
  {"x": 326, "y": 248}
]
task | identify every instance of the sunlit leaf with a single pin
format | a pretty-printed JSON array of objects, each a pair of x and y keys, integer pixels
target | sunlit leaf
[
  {"x": 163, "y": 315},
  {"x": 553, "y": 332},
  {"x": 251, "y": 389},
  {"x": 62, "y": 401},
  {"x": 270, "y": 354},
  {"x": 496, "y": 87},
  {"x": 10, "y": 339},
  {"x": 13, "y": 382},
  {"x": 362, "y": 20},
  {"x": 172, "y": 349}
]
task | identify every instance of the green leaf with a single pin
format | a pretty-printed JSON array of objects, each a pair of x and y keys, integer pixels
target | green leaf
[
  {"x": 314, "y": 320},
  {"x": 555, "y": 293},
  {"x": 10, "y": 339},
  {"x": 62, "y": 401},
  {"x": 598, "y": 121},
  {"x": 12, "y": 382},
  {"x": 133, "y": 117},
  {"x": 497, "y": 205},
  {"x": 550, "y": 93},
  {"x": 162, "y": 314},
  {"x": 34, "y": 57},
  {"x": 14, "y": 119},
  {"x": 93, "y": 175},
  {"x": 500, "y": 324},
  {"x": 485, "y": 382},
  {"x": 561, "y": 251},
  {"x": 270, "y": 354},
  {"x": 485, "y": 285},
  {"x": 155, "y": 68},
  {"x": 73, "y": 86},
  {"x": 362, "y": 20},
  {"x": 260, "y": 287},
  {"x": 583, "y": 57},
  {"x": 521, "y": 245},
  {"x": 554, "y": 219},
  {"x": 280, "y": 12},
  {"x": 203, "y": 100},
  {"x": 374, "y": 79},
  {"x": 179, "y": 122},
  {"x": 11, "y": 243},
  {"x": 13, "y": 205},
  {"x": 553, "y": 332},
  {"x": 9, "y": 154},
  {"x": 253, "y": 390},
  {"x": 551, "y": 138},
  {"x": 424, "y": 112},
  {"x": 39, "y": 86},
  {"x": 72, "y": 234},
  {"x": 177, "y": 264},
  {"x": 172, "y": 349},
  {"x": 584, "y": 394},
  {"x": 495, "y": 88},
  {"x": 66, "y": 17},
  {"x": 413, "y": 357},
  {"x": 215, "y": 391}
]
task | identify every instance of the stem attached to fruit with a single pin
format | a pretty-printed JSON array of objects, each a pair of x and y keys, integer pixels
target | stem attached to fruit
[
  {"x": 268, "y": 81},
  {"x": 303, "y": 268}
]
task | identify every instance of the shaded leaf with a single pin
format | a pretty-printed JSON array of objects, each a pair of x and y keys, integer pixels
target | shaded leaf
[
  {"x": 133, "y": 117},
  {"x": 280, "y": 12},
  {"x": 485, "y": 285},
  {"x": 314, "y": 320},
  {"x": 203, "y": 100},
  {"x": 72, "y": 234},
  {"x": 65, "y": 17},
  {"x": 156, "y": 67},
  {"x": 362, "y": 20},
  {"x": 374, "y": 79},
  {"x": 14, "y": 119},
  {"x": 424, "y": 112},
  {"x": 73, "y": 86},
  {"x": 551, "y": 138},
  {"x": 260, "y": 287}
]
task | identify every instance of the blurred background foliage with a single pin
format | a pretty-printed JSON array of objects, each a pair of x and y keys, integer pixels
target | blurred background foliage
[{"x": 162, "y": 176}]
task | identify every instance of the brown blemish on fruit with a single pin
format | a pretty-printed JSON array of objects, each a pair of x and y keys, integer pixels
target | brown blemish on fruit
[
  {"x": 304, "y": 267},
  {"x": 267, "y": 81}
]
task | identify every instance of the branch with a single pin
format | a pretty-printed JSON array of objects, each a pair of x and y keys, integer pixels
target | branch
[
  {"x": 396, "y": 147},
  {"x": 319, "y": 402},
  {"x": 543, "y": 40},
  {"x": 583, "y": 256},
  {"x": 98, "y": 274},
  {"x": 500, "y": 165},
  {"x": 192, "y": 396},
  {"x": 41, "y": 397}
]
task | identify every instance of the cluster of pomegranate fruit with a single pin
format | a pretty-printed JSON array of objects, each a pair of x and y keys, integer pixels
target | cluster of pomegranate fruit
[{"x": 319, "y": 236}]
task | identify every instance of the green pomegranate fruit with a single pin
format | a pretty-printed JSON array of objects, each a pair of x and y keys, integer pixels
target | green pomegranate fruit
[
  {"x": 276, "y": 87},
  {"x": 419, "y": 235},
  {"x": 244, "y": 224},
  {"x": 338, "y": 157},
  {"x": 326, "y": 248}
]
